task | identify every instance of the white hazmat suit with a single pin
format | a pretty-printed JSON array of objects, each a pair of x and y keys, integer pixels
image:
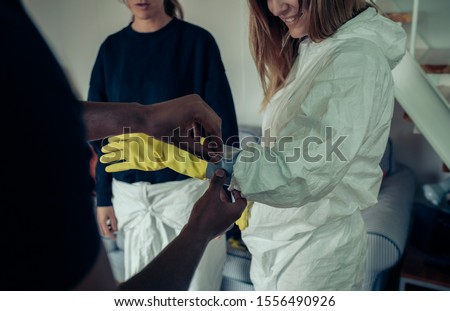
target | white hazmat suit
[{"x": 329, "y": 126}]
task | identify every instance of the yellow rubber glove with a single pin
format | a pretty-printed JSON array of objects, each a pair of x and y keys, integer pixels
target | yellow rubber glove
[
  {"x": 142, "y": 152},
  {"x": 242, "y": 222}
]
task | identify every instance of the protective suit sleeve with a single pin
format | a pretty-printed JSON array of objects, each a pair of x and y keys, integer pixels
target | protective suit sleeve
[{"x": 321, "y": 135}]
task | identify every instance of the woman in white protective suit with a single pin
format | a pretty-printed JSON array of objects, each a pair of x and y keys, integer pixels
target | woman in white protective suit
[{"x": 325, "y": 67}]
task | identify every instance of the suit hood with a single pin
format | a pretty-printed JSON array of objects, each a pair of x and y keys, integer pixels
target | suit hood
[{"x": 388, "y": 35}]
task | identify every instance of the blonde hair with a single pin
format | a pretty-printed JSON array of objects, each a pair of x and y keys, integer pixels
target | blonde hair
[
  {"x": 172, "y": 8},
  {"x": 274, "y": 50}
]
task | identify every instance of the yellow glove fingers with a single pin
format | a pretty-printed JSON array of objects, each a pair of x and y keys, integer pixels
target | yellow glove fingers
[
  {"x": 134, "y": 151},
  {"x": 140, "y": 148},
  {"x": 143, "y": 152},
  {"x": 118, "y": 167},
  {"x": 113, "y": 152},
  {"x": 126, "y": 165},
  {"x": 111, "y": 157},
  {"x": 123, "y": 137},
  {"x": 137, "y": 143},
  {"x": 113, "y": 146},
  {"x": 136, "y": 146},
  {"x": 242, "y": 222}
]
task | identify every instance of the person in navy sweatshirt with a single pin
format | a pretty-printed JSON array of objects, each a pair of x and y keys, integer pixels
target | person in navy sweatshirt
[{"x": 157, "y": 57}]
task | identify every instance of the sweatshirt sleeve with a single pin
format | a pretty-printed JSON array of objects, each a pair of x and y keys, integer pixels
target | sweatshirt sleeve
[
  {"x": 322, "y": 137},
  {"x": 97, "y": 92},
  {"x": 97, "y": 88}
]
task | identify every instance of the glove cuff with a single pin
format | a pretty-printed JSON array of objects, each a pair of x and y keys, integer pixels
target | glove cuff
[{"x": 227, "y": 163}]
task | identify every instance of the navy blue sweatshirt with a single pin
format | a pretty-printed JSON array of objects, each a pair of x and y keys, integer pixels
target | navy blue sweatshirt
[{"x": 177, "y": 60}]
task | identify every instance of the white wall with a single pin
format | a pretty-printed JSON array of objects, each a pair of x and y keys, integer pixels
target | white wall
[
  {"x": 75, "y": 30},
  {"x": 228, "y": 22}
]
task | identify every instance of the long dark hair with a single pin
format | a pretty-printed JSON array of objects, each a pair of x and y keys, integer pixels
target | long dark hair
[{"x": 173, "y": 8}]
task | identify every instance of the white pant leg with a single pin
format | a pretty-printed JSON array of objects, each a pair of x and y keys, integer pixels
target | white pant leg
[
  {"x": 289, "y": 253},
  {"x": 151, "y": 216},
  {"x": 145, "y": 235},
  {"x": 208, "y": 276}
]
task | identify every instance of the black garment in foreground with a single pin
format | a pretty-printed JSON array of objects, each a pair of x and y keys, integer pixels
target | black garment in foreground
[{"x": 49, "y": 234}]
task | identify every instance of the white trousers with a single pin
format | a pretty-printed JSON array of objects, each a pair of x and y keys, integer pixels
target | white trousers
[
  {"x": 152, "y": 215},
  {"x": 291, "y": 251}
]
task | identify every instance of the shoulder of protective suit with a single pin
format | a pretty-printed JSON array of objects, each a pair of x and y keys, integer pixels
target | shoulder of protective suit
[{"x": 359, "y": 52}]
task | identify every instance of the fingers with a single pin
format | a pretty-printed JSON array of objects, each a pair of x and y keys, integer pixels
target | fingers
[
  {"x": 113, "y": 152},
  {"x": 237, "y": 195},
  {"x": 233, "y": 209},
  {"x": 197, "y": 130},
  {"x": 202, "y": 115},
  {"x": 209, "y": 120},
  {"x": 113, "y": 146},
  {"x": 210, "y": 129},
  {"x": 237, "y": 207},
  {"x": 107, "y": 221},
  {"x": 214, "y": 147},
  {"x": 113, "y": 224},
  {"x": 209, "y": 148},
  {"x": 107, "y": 230},
  {"x": 213, "y": 213},
  {"x": 117, "y": 138},
  {"x": 217, "y": 181},
  {"x": 111, "y": 157},
  {"x": 223, "y": 196},
  {"x": 103, "y": 229},
  {"x": 117, "y": 167},
  {"x": 127, "y": 136},
  {"x": 216, "y": 184}
]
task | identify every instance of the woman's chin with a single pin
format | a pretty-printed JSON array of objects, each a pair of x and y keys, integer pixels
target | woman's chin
[{"x": 297, "y": 34}]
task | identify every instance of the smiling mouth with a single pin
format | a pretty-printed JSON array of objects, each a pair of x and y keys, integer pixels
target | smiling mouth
[{"x": 292, "y": 20}]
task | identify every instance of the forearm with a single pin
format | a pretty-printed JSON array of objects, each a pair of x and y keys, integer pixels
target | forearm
[
  {"x": 107, "y": 119},
  {"x": 174, "y": 267},
  {"x": 175, "y": 120}
]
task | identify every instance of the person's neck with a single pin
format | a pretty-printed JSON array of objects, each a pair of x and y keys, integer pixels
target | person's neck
[{"x": 150, "y": 25}]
